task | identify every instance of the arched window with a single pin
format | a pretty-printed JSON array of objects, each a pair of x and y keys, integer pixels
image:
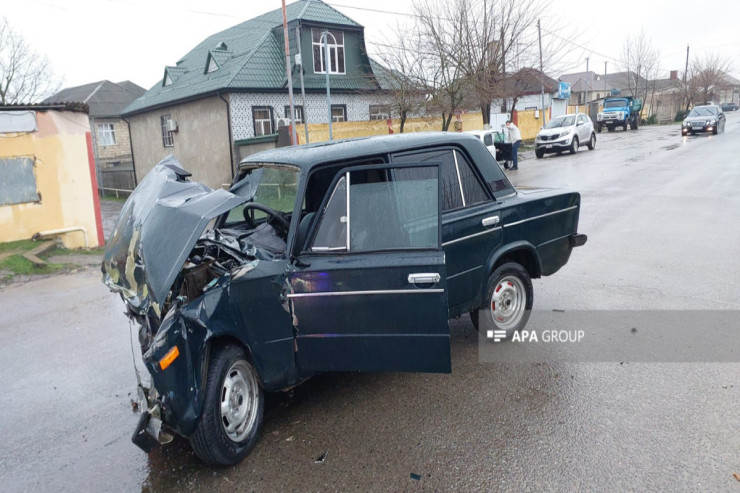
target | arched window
[{"x": 335, "y": 40}]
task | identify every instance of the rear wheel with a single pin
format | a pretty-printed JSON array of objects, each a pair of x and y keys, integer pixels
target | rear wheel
[
  {"x": 232, "y": 409},
  {"x": 574, "y": 145},
  {"x": 508, "y": 301},
  {"x": 636, "y": 123},
  {"x": 592, "y": 142}
]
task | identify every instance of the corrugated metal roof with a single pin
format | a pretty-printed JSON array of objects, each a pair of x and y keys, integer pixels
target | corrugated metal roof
[{"x": 254, "y": 59}]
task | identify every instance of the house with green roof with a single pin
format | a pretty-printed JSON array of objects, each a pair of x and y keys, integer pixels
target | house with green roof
[{"x": 224, "y": 99}]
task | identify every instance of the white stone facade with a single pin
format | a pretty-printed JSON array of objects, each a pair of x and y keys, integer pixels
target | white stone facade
[{"x": 358, "y": 108}]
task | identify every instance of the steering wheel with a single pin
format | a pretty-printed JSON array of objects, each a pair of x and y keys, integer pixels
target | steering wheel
[{"x": 271, "y": 213}]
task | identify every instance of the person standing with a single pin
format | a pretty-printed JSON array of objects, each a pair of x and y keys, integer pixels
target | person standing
[{"x": 515, "y": 137}]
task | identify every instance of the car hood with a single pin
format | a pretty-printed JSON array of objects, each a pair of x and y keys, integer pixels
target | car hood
[
  {"x": 700, "y": 118},
  {"x": 555, "y": 131},
  {"x": 156, "y": 230}
]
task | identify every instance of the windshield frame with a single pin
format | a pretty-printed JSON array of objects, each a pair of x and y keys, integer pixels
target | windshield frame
[
  {"x": 245, "y": 187},
  {"x": 561, "y": 121}
]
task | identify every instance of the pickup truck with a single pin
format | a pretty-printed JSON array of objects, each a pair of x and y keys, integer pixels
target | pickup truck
[
  {"x": 621, "y": 111},
  {"x": 342, "y": 256}
]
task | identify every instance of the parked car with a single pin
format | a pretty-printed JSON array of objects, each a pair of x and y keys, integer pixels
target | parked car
[
  {"x": 340, "y": 256},
  {"x": 496, "y": 145},
  {"x": 706, "y": 118},
  {"x": 729, "y": 107},
  {"x": 565, "y": 133}
]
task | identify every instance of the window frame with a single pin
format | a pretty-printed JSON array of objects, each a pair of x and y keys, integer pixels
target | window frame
[
  {"x": 473, "y": 169},
  {"x": 271, "y": 120},
  {"x": 384, "y": 110},
  {"x": 168, "y": 137},
  {"x": 333, "y": 51},
  {"x": 298, "y": 108},
  {"x": 344, "y": 174},
  {"x": 102, "y": 132},
  {"x": 343, "y": 107}
]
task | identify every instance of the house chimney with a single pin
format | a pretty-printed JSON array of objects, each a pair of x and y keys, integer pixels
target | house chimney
[{"x": 674, "y": 74}]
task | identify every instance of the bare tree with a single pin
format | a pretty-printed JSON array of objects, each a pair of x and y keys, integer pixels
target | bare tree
[
  {"x": 708, "y": 73},
  {"x": 25, "y": 76},
  {"x": 641, "y": 60},
  {"x": 401, "y": 74}
]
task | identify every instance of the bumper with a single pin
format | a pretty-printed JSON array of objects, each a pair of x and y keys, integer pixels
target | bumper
[
  {"x": 553, "y": 146},
  {"x": 577, "y": 240},
  {"x": 704, "y": 128}
]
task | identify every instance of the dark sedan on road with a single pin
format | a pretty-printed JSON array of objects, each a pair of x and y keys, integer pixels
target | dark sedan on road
[
  {"x": 709, "y": 118},
  {"x": 729, "y": 107}
]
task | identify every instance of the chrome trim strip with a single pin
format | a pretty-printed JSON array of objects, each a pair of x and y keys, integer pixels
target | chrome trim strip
[
  {"x": 358, "y": 293},
  {"x": 348, "y": 211},
  {"x": 459, "y": 180},
  {"x": 424, "y": 278},
  {"x": 540, "y": 216},
  {"x": 471, "y": 236},
  {"x": 464, "y": 272}
]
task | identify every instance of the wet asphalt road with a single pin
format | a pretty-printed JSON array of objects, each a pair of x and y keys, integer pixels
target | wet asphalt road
[{"x": 663, "y": 218}]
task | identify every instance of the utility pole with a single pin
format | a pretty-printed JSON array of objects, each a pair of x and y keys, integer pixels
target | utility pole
[
  {"x": 325, "y": 37},
  {"x": 542, "y": 73},
  {"x": 685, "y": 87},
  {"x": 293, "y": 136},
  {"x": 588, "y": 85},
  {"x": 303, "y": 90}
]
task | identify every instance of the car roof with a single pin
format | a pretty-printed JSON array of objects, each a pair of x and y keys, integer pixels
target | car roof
[{"x": 308, "y": 155}]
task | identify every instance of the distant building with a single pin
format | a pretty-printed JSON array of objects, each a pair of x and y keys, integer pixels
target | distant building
[
  {"x": 111, "y": 143},
  {"x": 225, "y": 98},
  {"x": 47, "y": 175}
]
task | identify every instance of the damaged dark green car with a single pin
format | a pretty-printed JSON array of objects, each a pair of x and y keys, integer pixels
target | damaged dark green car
[{"x": 343, "y": 256}]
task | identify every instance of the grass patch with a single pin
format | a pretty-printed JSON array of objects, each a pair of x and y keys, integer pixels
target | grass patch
[
  {"x": 18, "y": 265},
  {"x": 24, "y": 245}
]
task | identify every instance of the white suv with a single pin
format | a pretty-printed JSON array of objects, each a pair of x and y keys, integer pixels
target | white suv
[{"x": 565, "y": 133}]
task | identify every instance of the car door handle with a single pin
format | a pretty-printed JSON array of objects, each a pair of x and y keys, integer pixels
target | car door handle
[
  {"x": 490, "y": 221},
  {"x": 424, "y": 278}
]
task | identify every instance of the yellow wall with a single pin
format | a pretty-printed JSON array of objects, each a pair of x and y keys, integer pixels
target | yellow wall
[
  {"x": 319, "y": 132},
  {"x": 63, "y": 180}
]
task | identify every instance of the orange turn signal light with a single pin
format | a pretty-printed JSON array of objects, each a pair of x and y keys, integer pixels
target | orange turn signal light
[{"x": 168, "y": 358}]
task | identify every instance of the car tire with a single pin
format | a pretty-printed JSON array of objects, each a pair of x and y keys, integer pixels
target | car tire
[
  {"x": 592, "y": 142},
  {"x": 508, "y": 301},
  {"x": 539, "y": 153},
  {"x": 574, "y": 145},
  {"x": 599, "y": 128},
  {"x": 624, "y": 126},
  {"x": 716, "y": 130},
  {"x": 232, "y": 409},
  {"x": 635, "y": 123}
]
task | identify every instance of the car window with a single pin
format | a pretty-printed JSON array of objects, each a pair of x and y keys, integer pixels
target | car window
[
  {"x": 388, "y": 210},
  {"x": 473, "y": 191},
  {"x": 488, "y": 140},
  {"x": 451, "y": 195},
  {"x": 276, "y": 188}
]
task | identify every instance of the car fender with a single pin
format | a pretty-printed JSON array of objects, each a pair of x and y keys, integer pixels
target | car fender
[{"x": 515, "y": 249}]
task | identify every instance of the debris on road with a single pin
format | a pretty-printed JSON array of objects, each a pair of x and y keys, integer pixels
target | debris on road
[
  {"x": 415, "y": 477},
  {"x": 321, "y": 458}
]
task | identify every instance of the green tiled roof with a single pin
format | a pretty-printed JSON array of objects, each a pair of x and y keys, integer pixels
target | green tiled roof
[{"x": 249, "y": 56}]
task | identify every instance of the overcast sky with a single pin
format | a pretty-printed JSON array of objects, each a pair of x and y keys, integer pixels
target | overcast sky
[{"x": 92, "y": 40}]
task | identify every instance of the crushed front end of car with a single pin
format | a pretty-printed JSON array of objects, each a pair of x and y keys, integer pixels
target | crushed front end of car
[{"x": 174, "y": 274}]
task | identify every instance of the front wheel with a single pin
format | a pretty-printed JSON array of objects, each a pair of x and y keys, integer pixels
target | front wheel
[
  {"x": 624, "y": 126},
  {"x": 508, "y": 301},
  {"x": 574, "y": 145},
  {"x": 592, "y": 142},
  {"x": 539, "y": 153},
  {"x": 599, "y": 128},
  {"x": 232, "y": 409}
]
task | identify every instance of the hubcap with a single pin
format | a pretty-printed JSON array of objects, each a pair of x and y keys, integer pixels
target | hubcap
[
  {"x": 239, "y": 397},
  {"x": 508, "y": 302}
]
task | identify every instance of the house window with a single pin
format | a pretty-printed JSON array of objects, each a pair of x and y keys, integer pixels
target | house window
[
  {"x": 338, "y": 113},
  {"x": 106, "y": 134},
  {"x": 335, "y": 40},
  {"x": 297, "y": 111},
  {"x": 262, "y": 116},
  {"x": 379, "y": 112},
  {"x": 167, "y": 139}
]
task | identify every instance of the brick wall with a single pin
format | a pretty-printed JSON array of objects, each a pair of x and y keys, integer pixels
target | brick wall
[{"x": 121, "y": 151}]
